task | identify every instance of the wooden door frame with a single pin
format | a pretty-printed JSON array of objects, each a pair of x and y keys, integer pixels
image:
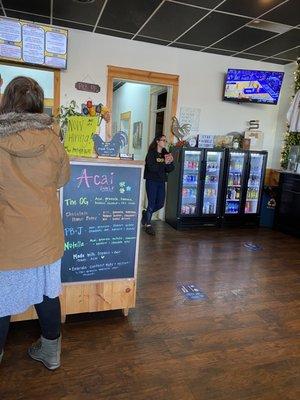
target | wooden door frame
[{"x": 141, "y": 76}]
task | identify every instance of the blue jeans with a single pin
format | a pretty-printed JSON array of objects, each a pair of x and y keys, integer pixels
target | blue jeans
[{"x": 156, "y": 193}]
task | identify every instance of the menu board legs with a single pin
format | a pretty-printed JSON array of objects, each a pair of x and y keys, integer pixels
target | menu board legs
[{"x": 125, "y": 312}]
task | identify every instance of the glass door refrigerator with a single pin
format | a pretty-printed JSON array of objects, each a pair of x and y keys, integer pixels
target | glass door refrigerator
[
  {"x": 194, "y": 188},
  {"x": 235, "y": 177},
  {"x": 212, "y": 176},
  {"x": 244, "y": 177},
  {"x": 255, "y": 180}
]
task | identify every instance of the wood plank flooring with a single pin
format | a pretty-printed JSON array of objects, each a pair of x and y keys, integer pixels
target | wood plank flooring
[{"x": 241, "y": 343}]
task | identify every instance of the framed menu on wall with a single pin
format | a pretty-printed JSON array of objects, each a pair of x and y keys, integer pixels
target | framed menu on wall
[{"x": 33, "y": 43}]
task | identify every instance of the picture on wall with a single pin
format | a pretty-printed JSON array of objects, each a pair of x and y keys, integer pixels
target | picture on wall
[{"x": 137, "y": 135}]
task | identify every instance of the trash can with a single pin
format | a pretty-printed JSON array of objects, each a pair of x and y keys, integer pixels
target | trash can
[{"x": 268, "y": 205}]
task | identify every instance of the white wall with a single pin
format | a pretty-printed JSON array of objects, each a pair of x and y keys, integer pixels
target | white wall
[
  {"x": 133, "y": 97},
  {"x": 201, "y": 80}
]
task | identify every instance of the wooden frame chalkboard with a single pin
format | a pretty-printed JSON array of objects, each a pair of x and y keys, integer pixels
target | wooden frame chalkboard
[{"x": 100, "y": 212}]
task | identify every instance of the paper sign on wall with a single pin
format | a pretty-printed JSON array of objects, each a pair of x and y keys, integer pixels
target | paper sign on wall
[
  {"x": 78, "y": 140},
  {"x": 189, "y": 115},
  {"x": 206, "y": 141}
]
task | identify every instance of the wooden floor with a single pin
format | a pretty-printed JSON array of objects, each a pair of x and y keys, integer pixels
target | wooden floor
[{"x": 241, "y": 343}]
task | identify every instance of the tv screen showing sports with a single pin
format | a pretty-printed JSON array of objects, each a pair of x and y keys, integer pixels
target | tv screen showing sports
[
  {"x": 253, "y": 86},
  {"x": 32, "y": 43}
]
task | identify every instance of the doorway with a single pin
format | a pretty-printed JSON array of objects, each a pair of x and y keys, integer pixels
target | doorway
[
  {"x": 151, "y": 100},
  {"x": 141, "y": 111}
]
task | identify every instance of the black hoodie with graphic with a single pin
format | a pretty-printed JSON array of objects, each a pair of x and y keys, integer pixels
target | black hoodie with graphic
[{"x": 156, "y": 168}]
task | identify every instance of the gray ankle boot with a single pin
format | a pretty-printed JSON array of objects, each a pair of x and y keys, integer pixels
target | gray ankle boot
[{"x": 46, "y": 351}]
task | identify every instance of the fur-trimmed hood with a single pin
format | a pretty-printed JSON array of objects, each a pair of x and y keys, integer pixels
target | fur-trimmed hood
[
  {"x": 25, "y": 135},
  {"x": 11, "y": 123}
]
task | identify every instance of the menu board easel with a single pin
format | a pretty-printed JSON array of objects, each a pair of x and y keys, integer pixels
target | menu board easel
[{"x": 101, "y": 214}]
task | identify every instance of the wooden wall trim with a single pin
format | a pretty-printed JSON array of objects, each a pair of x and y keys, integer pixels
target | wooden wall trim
[
  {"x": 56, "y": 92},
  {"x": 142, "y": 75},
  {"x": 134, "y": 75}
]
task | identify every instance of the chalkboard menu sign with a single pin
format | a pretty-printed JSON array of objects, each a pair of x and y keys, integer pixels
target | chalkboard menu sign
[
  {"x": 33, "y": 43},
  {"x": 100, "y": 215}
]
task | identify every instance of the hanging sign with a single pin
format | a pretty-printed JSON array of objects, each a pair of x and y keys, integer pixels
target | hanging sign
[
  {"x": 78, "y": 140},
  {"x": 87, "y": 87}
]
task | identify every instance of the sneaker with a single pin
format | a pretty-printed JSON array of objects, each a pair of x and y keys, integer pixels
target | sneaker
[
  {"x": 149, "y": 229},
  {"x": 47, "y": 352},
  {"x": 144, "y": 216}
]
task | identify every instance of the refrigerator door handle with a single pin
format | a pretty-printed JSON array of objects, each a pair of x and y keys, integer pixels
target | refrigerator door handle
[{"x": 202, "y": 170}]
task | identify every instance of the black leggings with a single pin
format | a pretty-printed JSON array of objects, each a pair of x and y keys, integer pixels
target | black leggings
[{"x": 49, "y": 318}]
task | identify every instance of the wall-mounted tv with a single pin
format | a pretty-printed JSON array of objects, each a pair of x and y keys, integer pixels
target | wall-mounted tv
[
  {"x": 32, "y": 43},
  {"x": 262, "y": 87}
]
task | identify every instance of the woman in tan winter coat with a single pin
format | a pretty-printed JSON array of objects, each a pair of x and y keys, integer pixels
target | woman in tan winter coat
[{"x": 33, "y": 165}]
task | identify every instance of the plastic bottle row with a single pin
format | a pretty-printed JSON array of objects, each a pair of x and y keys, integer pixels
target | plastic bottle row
[
  {"x": 254, "y": 180},
  {"x": 252, "y": 193},
  {"x": 250, "y": 207},
  {"x": 233, "y": 194},
  {"x": 190, "y": 179},
  {"x": 236, "y": 164},
  {"x": 188, "y": 209},
  {"x": 211, "y": 179},
  {"x": 209, "y": 208},
  {"x": 187, "y": 192},
  {"x": 234, "y": 179},
  {"x": 208, "y": 192},
  {"x": 191, "y": 164},
  {"x": 232, "y": 208},
  {"x": 212, "y": 165}
]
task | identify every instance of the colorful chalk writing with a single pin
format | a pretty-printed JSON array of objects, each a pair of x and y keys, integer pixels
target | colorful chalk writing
[{"x": 100, "y": 215}]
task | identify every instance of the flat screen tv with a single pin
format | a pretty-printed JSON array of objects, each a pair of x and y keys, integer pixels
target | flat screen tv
[{"x": 262, "y": 87}]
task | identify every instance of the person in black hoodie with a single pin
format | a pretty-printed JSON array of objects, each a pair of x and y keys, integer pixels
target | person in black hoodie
[{"x": 158, "y": 164}]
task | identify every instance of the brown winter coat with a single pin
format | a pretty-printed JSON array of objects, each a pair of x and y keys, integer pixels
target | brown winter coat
[{"x": 33, "y": 164}]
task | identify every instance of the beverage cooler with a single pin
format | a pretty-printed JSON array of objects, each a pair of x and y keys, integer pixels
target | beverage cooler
[
  {"x": 244, "y": 178},
  {"x": 194, "y": 192},
  {"x": 212, "y": 187}
]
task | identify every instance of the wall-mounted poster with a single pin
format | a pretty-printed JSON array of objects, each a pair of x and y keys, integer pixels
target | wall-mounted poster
[
  {"x": 206, "y": 141},
  {"x": 33, "y": 43},
  {"x": 137, "y": 135},
  {"x": 190, "y": 115}
]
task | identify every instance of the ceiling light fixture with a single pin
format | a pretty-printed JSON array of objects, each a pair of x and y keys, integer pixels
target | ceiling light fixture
[{"x": 84, "y": 1}]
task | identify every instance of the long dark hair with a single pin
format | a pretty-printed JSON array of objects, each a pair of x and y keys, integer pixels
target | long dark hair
[
  {"x": 22, "y": 95},
  {"x": 153, "y": 144}
]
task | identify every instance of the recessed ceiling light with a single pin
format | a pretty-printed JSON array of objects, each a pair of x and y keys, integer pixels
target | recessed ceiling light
[
  {"x": 269, "y": 26},
  {"x": 84, "y": 1}
]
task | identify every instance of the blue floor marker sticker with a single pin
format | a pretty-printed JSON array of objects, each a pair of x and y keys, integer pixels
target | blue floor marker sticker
[
  {"x": 192, "y": 292},
  {"x": 252, "y": 246}
]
